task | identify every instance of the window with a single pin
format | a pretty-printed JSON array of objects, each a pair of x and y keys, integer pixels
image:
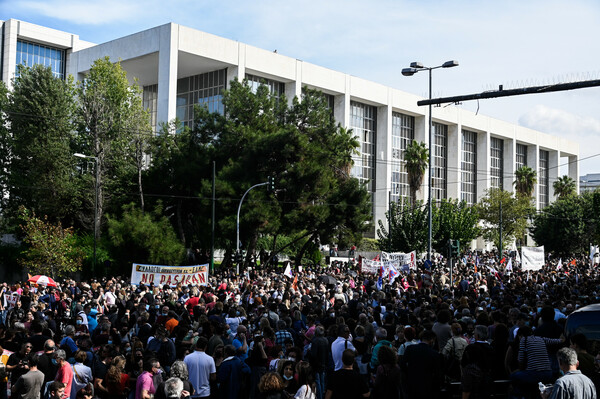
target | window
[
  {"x": 205, "y": 89},
  {"x": 30, "y": 54},
  {"x": 403, "y": 133},
  {"x": 149, "y": 101},
  {"x": 468, "y": 166},
  {"x": 363, "y": 124},
  {"x": 543, "y": 179},
  {"x": 497, "y": 163},
  {"x": 276, "y": 88},
  {"x": 440, "y": 162},
  {"x": 521, "y": 156}
]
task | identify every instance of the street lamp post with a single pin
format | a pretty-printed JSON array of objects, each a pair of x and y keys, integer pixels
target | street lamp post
[
  {"x": 79, "y": 155},
  {"x": 414, "y": 68},
  {"x": 237, "y": 224}
]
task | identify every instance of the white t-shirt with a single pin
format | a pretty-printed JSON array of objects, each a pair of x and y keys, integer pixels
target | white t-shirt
[
  {"x": 304, "y": 392},
  {"x": 200, "y": 366}
]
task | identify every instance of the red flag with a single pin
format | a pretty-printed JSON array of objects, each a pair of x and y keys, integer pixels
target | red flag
[
  {"x": 295, "y": 283},
  {"x": 475, "y": 268},
  {"x": 573, "y": 263},
  {"x": 376, "y": 258},
  {"x": 503, "y": 260}
]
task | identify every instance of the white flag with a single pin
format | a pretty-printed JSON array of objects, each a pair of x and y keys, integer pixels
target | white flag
[
  {"x": 509, "y": 265},
  {"x": 592, "y": 252},
  {"x": 558, "y": 267},
  {"x": 288, "y": 271},
  {"x": 517, "y": 257}
]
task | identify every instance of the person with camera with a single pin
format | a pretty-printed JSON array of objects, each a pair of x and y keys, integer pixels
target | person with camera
[
  {"x": 29, "y": 384},
  {"x": 18, "y": 363}
]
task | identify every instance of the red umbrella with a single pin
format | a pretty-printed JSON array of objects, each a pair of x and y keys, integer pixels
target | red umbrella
[{"x": 42, "y": 280}]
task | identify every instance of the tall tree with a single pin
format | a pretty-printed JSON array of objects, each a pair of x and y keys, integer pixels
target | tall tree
[
  {"x": 565, "y": 227},
  {"x": 564, "y": 187},
  {"x": 513, "y": 218},
  {"x": 416, "y": 156},
  {"x": 110, "y": 117},
  {"x": 406, "y": 228},
  {"x": 454, "y": 220},
  {"x": 525, "y": 180},
  {"x": 51, "y": 249},
  {"x": 40, "y": 160}
]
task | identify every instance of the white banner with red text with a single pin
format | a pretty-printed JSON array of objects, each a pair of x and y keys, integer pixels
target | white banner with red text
[{"x": 170, "y": 275}]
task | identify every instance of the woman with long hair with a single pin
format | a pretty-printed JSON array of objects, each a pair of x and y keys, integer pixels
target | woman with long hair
[
  {"x": 306, "y": 381},
  {"x": 116, "y": 380},
  {"x": 271, "y": 386}
]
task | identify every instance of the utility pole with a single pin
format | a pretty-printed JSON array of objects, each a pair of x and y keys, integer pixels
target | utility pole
[{"x": 500, "y": 227}]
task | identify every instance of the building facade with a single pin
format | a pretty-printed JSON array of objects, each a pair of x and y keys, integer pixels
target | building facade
[{"x": 179, "y": 66}]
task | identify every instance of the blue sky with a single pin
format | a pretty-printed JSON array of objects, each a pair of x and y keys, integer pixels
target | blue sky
[{"x": 513, "y": 43}]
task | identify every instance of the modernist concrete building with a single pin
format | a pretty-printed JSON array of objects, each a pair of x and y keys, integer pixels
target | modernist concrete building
[{"x": 179, "y": 67}]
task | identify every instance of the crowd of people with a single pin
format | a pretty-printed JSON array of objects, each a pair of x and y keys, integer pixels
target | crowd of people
[{"x": 320, "y": 333}]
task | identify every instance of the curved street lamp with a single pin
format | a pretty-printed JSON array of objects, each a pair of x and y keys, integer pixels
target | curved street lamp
[{"x": 414, "y": 68}]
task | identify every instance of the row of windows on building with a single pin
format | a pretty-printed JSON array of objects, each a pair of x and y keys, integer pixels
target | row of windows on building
[
  {"x": 208, "y": 88},
  {"x": 30, "y": 54}
]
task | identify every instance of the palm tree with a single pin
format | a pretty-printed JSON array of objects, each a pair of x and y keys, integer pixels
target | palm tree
[
  {"x": 416, "y": 156},
  {"x": 525, "y": 180},
  {"x": 564, "y": 187}
]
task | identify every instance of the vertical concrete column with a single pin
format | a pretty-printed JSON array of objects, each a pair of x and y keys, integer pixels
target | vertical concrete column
[
  {"x": 11, "y": 30},
  {"x": 454, "y": 161},
  {"x": 574, "y": 170},
  {"x": 294, "y": 88},
  {"x": 341, "y": 105},
  {"x": 422, "y": 136},
  {"x": 238, "y": 71},
  {"x": 533, "y": 161},
  {"x": 553, "y": 160},
  {"x": 383, "y": 157},
  {"x": 167, "y": 72},
  {"x": 509, "y": 162},
  {"x": 483, "y": 164}
]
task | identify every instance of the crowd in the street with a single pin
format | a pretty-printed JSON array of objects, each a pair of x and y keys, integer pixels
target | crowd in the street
[{"x": 325, "y": 333}]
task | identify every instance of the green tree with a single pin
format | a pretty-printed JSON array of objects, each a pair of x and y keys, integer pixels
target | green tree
[
  {"x": 416, "y": 156},
  {"x": 407, "y": 224},
  {"x": 5, "y": 140},
  {"x": 301, "y": 146},
  {"x": 456, "y": 220},
  {"x": 564, "y": 187},
  {"x": 39, "y": 147},
  {"x": 110, "y": 117},
  {"x": 51, "y": 249},
  {"x": 525, "y": 180},
  {"x": 564, "y": 227},
  {"x": 515, "y": 213},
  {"x": 144, "y": 237}
]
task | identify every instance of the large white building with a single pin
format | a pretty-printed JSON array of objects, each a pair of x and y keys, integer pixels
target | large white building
[{"x": 179, "y": 67}]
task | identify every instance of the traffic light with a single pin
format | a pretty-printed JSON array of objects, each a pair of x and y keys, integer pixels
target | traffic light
[
  {"x": 271, "y": 183},
  {"x": 454, "y": 247},
  {"x": 238, "y": 257}
]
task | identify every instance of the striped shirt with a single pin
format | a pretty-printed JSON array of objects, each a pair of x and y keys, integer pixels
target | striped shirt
[{"x": 533, "y": 350}]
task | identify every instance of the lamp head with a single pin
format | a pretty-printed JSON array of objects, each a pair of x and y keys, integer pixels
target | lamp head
[
  {"x": 79, "y": 155},
  {"x": 409, "y": 71},
  {"x": 450, "y": 64},
  {"x": 416, "y": 64}
]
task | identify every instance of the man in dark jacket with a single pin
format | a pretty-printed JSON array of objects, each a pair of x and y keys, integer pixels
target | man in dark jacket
[
  {"x": 423, "y": 367},
  {"x": 230, "y": 374},
  {"x": 320, "y": 359}
]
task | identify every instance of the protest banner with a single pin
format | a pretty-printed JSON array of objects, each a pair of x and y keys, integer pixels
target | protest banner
[
  {"x": 409, "y": 259},
  {"x": 170, "y": 275},
  {"x": 371, "y": 266},
  {"x": 533, "y": 258},
  {"x": 12, "y": 299}
]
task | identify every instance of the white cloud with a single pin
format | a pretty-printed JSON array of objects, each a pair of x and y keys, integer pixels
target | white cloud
[{"x": 583, "y": 129}]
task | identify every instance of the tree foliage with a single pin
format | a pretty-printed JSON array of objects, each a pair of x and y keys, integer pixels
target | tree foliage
[
  {"x": 525, "y": 179},
  {"x": 564, "y": 187},
  {"x": 407, "y": 228},
  {"x": 51, "y": 249},
  {"x": 416, "y": 157},
  {"x": 38, "y": 152},
  {"x": 139, "y": 236},
  {"x": 301, "y": 146},
  {"x": 110, "y": 119},
  {"x": 515, "y": 213},
  {"x": 565, "y": 227},
  {"x": 454, "y": 220}
]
